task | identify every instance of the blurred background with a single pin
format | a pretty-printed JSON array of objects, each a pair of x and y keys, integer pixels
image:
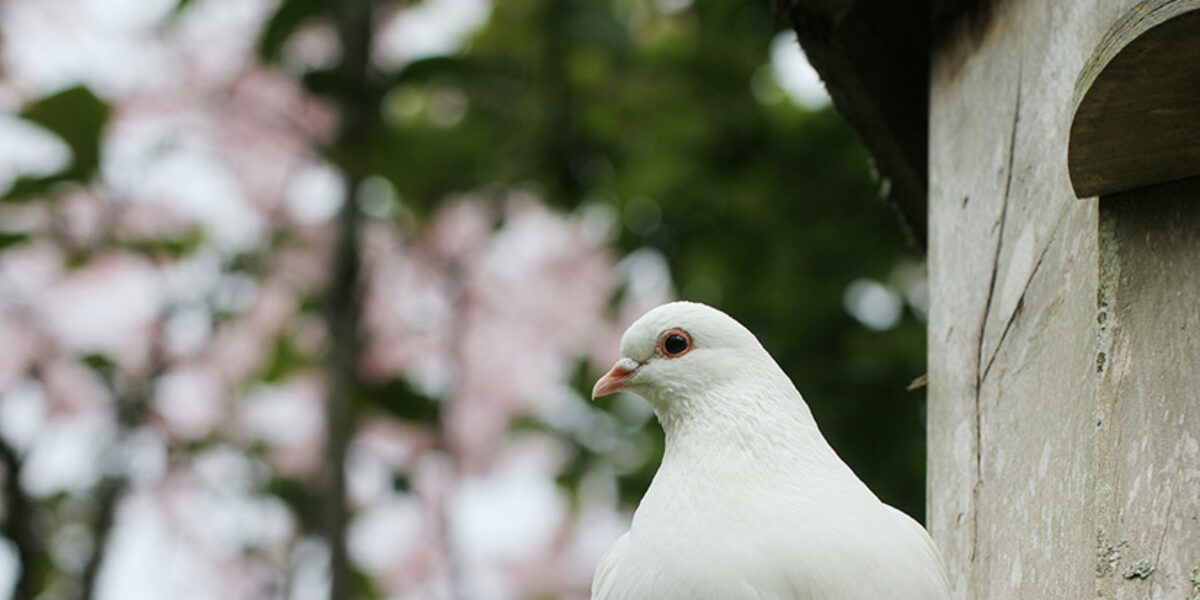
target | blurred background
[{"x": 303, "y": 299}]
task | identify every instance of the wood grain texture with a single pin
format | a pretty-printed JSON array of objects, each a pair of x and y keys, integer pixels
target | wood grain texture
[
  {"x": 1148, "y": 500},
  {"x": 1013, "y": 279},
  {"x": 1137, "y": 114}
]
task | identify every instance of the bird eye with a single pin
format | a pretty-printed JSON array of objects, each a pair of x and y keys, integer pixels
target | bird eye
[{"x": 674, "y": 343}]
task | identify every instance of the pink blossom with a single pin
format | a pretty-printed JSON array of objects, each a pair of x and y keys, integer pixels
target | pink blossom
[
  {"x": 240, "y": 347},
  {"x": 288, "y": 419},
  {"x": 23, "y": 346},
  {"x": 190, "y": 401}
]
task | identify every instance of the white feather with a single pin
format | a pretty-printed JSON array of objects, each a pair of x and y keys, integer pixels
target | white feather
[{"x": 750, "y": 501}]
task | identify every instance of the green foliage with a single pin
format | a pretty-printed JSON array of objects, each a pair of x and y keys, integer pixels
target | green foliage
[
  {"x": 286, "y": 358},
  {"x": 9, "y": 239},
  {"x": 78, "y": 117},
  {"x": 286, "y": 19},
  {"x": 169, "y": 248},
  {"x": 766, "y": 210},
  {"x": 364, "y": 586},
  {"x": 101, "y": 364},
  {"x": 400, "y": 399},
  {"x": 301, "y": 498},
  {"x": 180, "y": 7}
]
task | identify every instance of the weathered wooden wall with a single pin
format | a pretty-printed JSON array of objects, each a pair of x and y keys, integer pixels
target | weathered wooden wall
[
  {"x": 1053, "y": 470},
  {"x": 1148, "y": 494}
]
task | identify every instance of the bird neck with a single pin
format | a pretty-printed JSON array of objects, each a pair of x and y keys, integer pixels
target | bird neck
[{"x": 756, "y": 428}]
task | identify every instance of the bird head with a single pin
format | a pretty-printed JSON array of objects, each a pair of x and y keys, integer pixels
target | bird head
[{"x": 680, "y": 350}]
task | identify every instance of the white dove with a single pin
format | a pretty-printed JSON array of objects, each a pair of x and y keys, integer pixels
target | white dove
[{"x": 750, "y": 501}]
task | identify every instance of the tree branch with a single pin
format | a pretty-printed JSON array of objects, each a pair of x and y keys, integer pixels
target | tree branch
[
  {"x": 354, "y": 23},
  {"x": 342, "y": 318},
  {"x": 18, "y": 522},
  {"x": 131, "y": 408},
  {"x": 108, "y": 493}
]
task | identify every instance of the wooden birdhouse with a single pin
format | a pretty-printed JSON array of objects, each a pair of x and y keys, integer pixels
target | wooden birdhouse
[{"x": 1048, "y": 155}]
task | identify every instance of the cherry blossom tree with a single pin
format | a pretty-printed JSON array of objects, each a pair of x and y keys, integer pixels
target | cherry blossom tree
[{"x": 303, "y": 299}]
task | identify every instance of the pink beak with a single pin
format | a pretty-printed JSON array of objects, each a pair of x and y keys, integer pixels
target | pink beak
[{"x": 617, "y": 378}]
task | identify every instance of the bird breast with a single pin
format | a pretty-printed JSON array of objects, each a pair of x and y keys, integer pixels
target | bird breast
[{"x": 700, "y": 538}]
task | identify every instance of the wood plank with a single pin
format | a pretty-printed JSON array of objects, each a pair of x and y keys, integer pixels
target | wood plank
[
  {"x": 1137, "y": 114},
  {"x": 1149, "y": 497},
  {"x": 1013, "y": 276}
]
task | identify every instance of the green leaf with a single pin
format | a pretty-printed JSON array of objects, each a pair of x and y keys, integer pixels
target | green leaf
[
  {"x": 301, "y": 498},
  {"x": 363, "y": 585},
  {"x": 180, "y": 6},
  {"x": 399, "y": 398},
  {"x": 401, "y": 482},
  {"x": 76, "y": 258},
  {"x": 8, "y": 239},
  {"x": 323, "y": 82},
  {"x": 78, "y": 117},
  {"x": 571, "y": 475},
  {"x": 429, "y": 69},
  {"x": 103, "y": 365},
  {"x": 286, "y": 358},
  {"x": 290, "y": 15},
  {"x": 169, "y": 248}
]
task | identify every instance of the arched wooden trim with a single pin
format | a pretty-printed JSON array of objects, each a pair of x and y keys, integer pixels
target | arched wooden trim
[{"x": 1137, "y": 102}]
